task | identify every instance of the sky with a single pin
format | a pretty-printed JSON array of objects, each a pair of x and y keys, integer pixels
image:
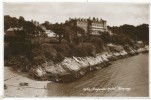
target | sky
[{"x": 115, "y": 14}]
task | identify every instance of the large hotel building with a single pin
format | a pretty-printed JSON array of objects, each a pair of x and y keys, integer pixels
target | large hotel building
[{"x": 92, "y": 26}]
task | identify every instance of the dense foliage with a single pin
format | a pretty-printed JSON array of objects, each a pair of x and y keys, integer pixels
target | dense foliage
[
  {"x": 31, "y": 44},
  {"x": 127, "y": 32}
]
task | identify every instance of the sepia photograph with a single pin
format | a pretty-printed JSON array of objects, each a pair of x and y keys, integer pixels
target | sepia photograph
[{"x": 78, "y": 49}]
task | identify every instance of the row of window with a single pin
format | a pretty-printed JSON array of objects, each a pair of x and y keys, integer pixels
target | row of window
[
  {"x": 100, "y": 28},
  {"x": 81, "y": 23},
  {"x": 93, "y": 25}
]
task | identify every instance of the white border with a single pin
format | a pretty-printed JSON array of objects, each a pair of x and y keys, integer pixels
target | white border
[
  {"x": 131, "y": 1},
  {"x": 149, "y": 48},
  {"x": 61, "y": 98},
  {"x": 123, "y": 1},
  {"x": 44, "y": 0},
  {"x": 1, "y": 52}
]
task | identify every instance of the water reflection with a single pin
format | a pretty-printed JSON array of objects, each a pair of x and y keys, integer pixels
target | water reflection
[{"x": 125, "y": 73}]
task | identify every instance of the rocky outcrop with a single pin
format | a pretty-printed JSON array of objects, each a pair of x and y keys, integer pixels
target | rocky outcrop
[{"x": 75, "y": 67}]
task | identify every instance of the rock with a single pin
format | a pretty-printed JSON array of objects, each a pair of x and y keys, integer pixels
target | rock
[
  {"x": 23, "y": 84},
  {"x": 5, "y": 86},
  {"x": 72, "y": 68},
  {"x": 39, "y": 72},
  {"x": 82, "y": 72}
]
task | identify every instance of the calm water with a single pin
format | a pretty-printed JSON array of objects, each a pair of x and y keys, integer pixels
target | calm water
[{"x": 130, "y": 74}]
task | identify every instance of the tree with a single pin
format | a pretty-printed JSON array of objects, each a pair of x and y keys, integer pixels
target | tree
[
  {"x": 142, "y": 32},
  {"x": 10, "y": 22},
  {"x": 79, "y": 33},
  {"x": 47, "y": 25},
  {"x": 21, "y": 21},
  {"x": 105, "y": 36},
  {"x": 130, "y": 32},
  {"x": 59, "y": 31}
]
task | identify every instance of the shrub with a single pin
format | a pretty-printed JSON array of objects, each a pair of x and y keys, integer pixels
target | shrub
[
  {"x": 98, "y": 42},
  {"x": 38, "y": 60},
  {"x": 49, "y": 51},
  {"x": 64, "y": 41},
  {"x": 60, "y": 57},
  {"x": 64, "y": 49},
  {"x": 36, "y": 52},
  {"x": 86, "y": 49},
  {"x": 91, "y": 49},
  {"x": 118, "y": 48},
  {"x": 80, "y": 51},
  {"x": 7, "y": 52},
  {"x": 20, "y": 62}
]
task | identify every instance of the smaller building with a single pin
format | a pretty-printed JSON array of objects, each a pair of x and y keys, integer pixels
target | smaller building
[
  {"x": 12, "y": 31},
  {"x": 110, "y": 32},
  {"x": 140, "y": 44},
  {"x": 50, "y": 33},
  {"x": 36, "y": 23}
]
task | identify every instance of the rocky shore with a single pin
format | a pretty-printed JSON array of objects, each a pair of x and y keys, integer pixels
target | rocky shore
[{"x": 73, "y": 68}]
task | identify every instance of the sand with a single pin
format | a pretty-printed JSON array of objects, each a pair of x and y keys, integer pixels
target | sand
[{"x": 12, "y": 79}]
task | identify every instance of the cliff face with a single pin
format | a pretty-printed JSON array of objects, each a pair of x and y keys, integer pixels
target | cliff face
[{"x": 72, "y": 68}]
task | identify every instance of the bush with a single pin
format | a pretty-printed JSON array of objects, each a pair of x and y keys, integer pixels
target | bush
[
  {"x": 20, "y": 63},
  {"x": 86, "y": 49},
  {"x": 64, "y": 49},
  {"x": 64, "y": 41},
  {"x": 44, "y": 53},
  {"x": 38, "y": 60},
  {"x": 14, "y": 60},
  {"x": 118, "y": 48},
  {"x": 49, "y": 51},
  {"x": 98, "y": 42},
  {"x": 60, "y": 57},
  {"x": 7, "y": 52},
  {"x": 80, "y": 51},
  {"x": 36, "y": 52},
  {"x": 91, "y": 49}
]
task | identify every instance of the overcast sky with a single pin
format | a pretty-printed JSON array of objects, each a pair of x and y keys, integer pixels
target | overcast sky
[{"x": 115, "y": 13}]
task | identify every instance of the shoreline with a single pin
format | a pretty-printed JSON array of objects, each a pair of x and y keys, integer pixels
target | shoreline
[
  {"x": 38, "y": 88},
  {"x": 73, "y": 68}
]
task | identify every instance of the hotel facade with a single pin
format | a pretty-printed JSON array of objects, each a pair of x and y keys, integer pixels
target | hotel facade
[{"x": 92, "y": 26}]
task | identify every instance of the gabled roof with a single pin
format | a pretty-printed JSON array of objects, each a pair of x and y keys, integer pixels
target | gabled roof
[
  {"x": 49, "y": 31},
  {"x": 14, "y": 29}
]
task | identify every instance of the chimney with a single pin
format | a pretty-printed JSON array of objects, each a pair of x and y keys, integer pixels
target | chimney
[
  {"x": 93, "y": 18},
  {"x": 89, "y": 18}
]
